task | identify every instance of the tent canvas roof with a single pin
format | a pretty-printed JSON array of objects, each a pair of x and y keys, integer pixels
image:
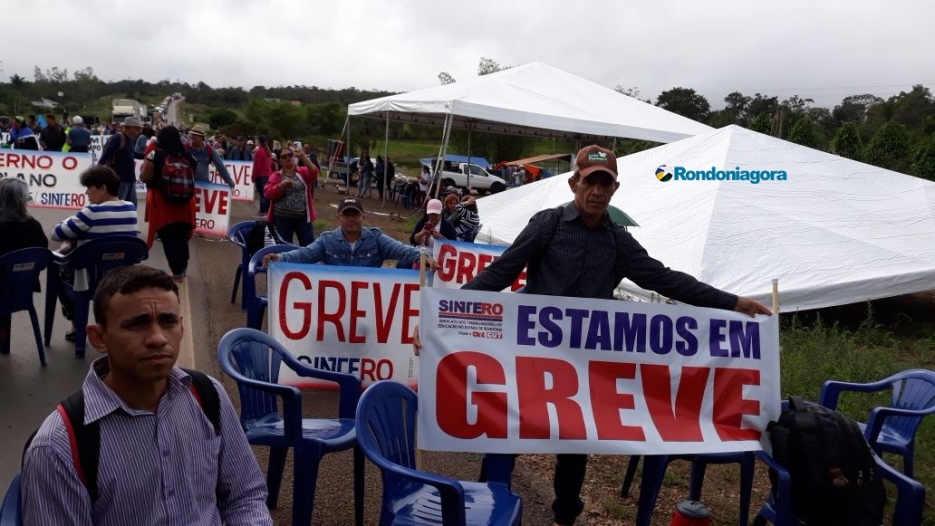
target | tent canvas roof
[
  {"x": 534, "y": 100},
  {"x": 836, "y": 232}
]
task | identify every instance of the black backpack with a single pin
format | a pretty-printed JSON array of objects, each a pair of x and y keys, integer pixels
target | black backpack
[
  {"x": 835, "y": 481},
  {"x": 85, "y": 439},
  {"x": 258, "y": 235}
]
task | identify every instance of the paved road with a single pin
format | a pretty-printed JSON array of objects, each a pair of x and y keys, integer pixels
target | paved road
[
  {"x": 172, "y": 112},
  {"x": 29, "y": 392}
]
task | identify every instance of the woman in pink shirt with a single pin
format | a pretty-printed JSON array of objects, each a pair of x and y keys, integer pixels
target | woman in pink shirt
[
  {"x": 262, "y": 168},
  {"x": 291, "y": 193}
]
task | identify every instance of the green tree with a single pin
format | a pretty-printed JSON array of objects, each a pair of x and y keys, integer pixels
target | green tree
[
  {"x": 923, "y": 163},
  {"x": 488, "y": 66},
  {"x": 889, "y": 147},
  {"x": 287, "y": 119},
  {"x": 736, "y": 109},
  {"x": 445, "y": 78},
  {"x": 221, "y": 117},
  {"x": 19, "y": 84},
  {"x": 762, "y": 104},
  {"x": 327, "y": 118},
  {"x": 686, "y": 102},
  {"x": 761, "y": 124},
  {"x": 804, "y": 133},
  {"x": 847, "y": 143}
]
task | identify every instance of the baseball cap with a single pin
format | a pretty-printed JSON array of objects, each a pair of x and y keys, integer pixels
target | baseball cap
[
  {"x": 250, "y": 142},
  {"x": 77, "y": 120},
  {"x": 434, "y": 207},
  {"x": 350, "y": 203},
  {"x": 593, "y": 158}
]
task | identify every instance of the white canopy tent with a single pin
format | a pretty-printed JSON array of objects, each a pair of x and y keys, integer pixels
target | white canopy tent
[
  {"x": 535, "y": 100},
  {"x": 836, "y": 232}
]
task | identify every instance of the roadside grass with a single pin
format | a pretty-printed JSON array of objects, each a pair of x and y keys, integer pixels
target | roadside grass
[{"x": 816, "y": 350}]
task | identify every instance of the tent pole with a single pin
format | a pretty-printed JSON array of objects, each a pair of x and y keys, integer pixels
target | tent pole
[
  {"x": 444, "y": 153},
  {"x": 386, "y": 159},
  {"x": 347, "y": 186},
  {"x": 470, "y": 125},
  {"x": 441, "y": 152}
]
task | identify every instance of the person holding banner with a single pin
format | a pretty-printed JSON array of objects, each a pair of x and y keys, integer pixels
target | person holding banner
[
  {"x": 577, "y": 251},
  {"x": 204, "y": 155},
  {"x": 173, "y": 221},
  {"x": 291, "y": 192},
  {"x": 350, "y": 245}
]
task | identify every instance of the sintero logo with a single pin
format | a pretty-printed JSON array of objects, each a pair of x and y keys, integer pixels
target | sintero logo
[{"x": 680, "y": 173}]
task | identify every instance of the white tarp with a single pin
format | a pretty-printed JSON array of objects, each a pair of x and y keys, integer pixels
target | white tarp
[
  {"x": 535, "y": 100},
  {"x": 836, "y": 232}
]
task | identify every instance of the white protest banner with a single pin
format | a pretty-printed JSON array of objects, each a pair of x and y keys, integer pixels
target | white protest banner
[
  {"x": 459, "y": 262},
  {"x": 4, "y": 138},
  {"x": 525, "y": 373},
  {"x": 240, "y": 172},
  {"x": 53, "y": 177},
  {"x": 350, "y": 319},
  {"x": 97, "y": 147},
  {"x": 212, "y": 209}
]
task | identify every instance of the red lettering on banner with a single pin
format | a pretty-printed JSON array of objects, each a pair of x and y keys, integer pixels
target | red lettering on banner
[
  {"x": 452, "y": 387},
  {"x": 410, "y": 310},
  {"x": 606, "y": 401},
  {"x": 239, "y": 173},
  {"x": 681, "y": 423},
  {"x": 356, "y": 313},
  {"x": 385, "y": 317},
  {"x": 483, "y": 261},
  {"x": 44, "y": 162},
  {"x": 69, "y": 163},
  {"x": 303, "y": 306},
  {"x": 331, "y": 317},
  {"x": 466, "y": 262},
  {"x": 730, "y": 405},
  {"x": 214, "y": 198},
  {"x": 535, "y": 397}
]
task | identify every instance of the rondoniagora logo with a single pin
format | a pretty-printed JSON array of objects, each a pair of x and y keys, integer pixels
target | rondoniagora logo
[{"x": 680, "y": 173}]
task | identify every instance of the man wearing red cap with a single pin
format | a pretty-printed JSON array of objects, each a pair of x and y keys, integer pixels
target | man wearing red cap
[{"x": 577, "y": 251}]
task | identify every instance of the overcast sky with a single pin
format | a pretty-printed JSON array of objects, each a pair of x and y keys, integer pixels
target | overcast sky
[{"x": 819, "y": 49}]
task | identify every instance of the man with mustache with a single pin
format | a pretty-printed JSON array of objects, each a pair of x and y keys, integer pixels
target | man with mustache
[
  {"x": 577, "y": 251},
  {"x": 152, "y": 444}
]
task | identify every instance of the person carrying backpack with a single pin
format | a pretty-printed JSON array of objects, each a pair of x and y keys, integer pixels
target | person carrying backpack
[
  {"x": 169, "y": 174},
  {"x": 144, "y": 442},
  {"x": 120, "y": 155}
]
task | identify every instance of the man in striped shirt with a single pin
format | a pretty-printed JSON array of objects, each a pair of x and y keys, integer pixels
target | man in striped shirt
[
  {"x": 165, "y": 455},
  {"x": 106, "y": 215}
]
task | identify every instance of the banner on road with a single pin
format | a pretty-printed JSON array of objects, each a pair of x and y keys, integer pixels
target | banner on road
[
  {"x": 212, "y": 209},
  {"x": 240, "y": 172},
  {"x": 459, "y": 262},
  {"x": 348, "y": 319},
  {"x": 53, "y": 177},
  {"x": 521, "y": 373}
]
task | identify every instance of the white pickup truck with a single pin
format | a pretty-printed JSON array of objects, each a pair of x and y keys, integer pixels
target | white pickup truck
[{"x": 478, "y": 178}]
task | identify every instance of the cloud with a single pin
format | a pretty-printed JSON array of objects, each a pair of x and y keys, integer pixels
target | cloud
[{"x": 813, "y": 49}]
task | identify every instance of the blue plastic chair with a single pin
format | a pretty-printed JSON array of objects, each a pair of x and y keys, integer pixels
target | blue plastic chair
[
  {"x": 778, "y": 507},
  {"x": 19, "y": 274},
  {"x": 386, "y": 420},
  {"x": 237, "y": 235},
  {"x": 256, "y": 304},
  {"x": 11, "y": 513},
  {"x": 654, "y": 469},
  {"x": 892, "y": 429},
  {"x": 97, "y": 258},
  {"x": 253, "y": 359}
]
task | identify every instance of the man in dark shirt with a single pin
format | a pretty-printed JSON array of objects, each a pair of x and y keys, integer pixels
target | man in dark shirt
[
  {"x": 577, "y": 251},
  {"x": 120, "y": 154},
  {"x": 52, "y": 136}
]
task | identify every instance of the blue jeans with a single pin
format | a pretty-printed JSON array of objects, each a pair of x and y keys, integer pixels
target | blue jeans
[
  {"x": 260, "y": 184},
  {"x": 286, "y": 227},
  {"x": 127, "y": 192}
]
